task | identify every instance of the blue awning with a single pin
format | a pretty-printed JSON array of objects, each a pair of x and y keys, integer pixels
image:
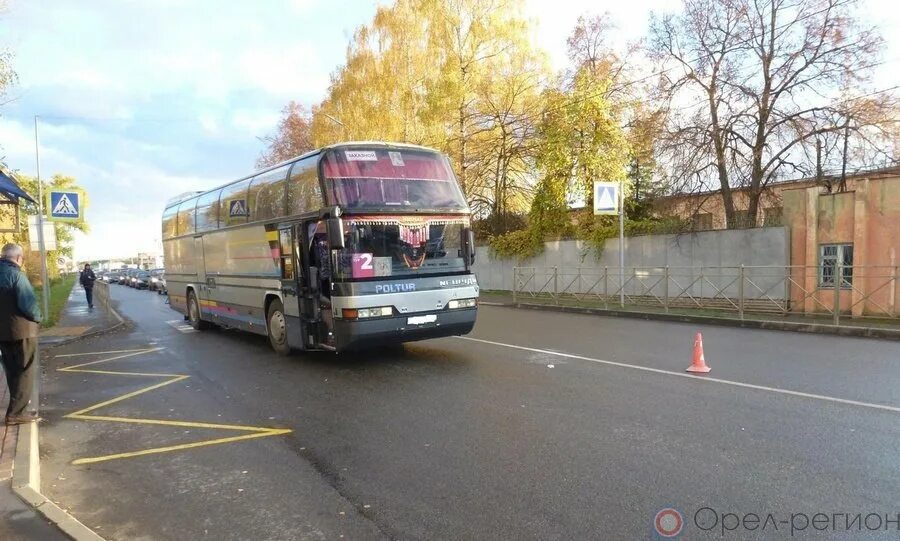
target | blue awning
[{"x": 9, "y": 188}]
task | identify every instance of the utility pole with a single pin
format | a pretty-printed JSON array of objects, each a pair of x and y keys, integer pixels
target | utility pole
[
  {"x": 843, "y": 184},
  {"x": 622, "y": 243},
  {"x": 45, "y": 289},
  {"x": 819, "y": 163}
]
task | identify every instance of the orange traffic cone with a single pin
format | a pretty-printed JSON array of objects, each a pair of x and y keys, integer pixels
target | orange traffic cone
[{"x": 699, "y": 364}]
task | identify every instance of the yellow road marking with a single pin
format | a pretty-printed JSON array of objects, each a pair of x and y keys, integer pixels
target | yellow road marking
[
  {"x": 83, "y": 414},
  {"x": 101, "y": 352},
  {"x": 273, "y": 432},
  {"x": 117, "y": 357}
]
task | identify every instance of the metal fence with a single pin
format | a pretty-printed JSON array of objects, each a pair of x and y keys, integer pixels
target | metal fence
[{"x": 861, "y": 291}]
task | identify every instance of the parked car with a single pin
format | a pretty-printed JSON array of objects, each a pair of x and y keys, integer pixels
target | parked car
[
  {"x": 154, "y": 278},
  {"x": 125, "y": 277},
  {"x": 161, "y": 285},
  {"x": 131, "y": 278},
  {"x": 141, "y": 280}
]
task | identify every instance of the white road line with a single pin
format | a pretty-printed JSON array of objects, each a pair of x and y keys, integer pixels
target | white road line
[
  {"x": 871, "y": 405},
  {"x": 181, "y": 326}
]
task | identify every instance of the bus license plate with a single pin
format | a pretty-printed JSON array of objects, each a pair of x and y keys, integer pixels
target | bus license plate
[{"x": 421, "y": 320}]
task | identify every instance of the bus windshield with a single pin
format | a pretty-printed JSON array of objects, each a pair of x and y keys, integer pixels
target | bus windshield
[
  {"x": 395, "y": 179},
  {"x": 385, "y": 246}
]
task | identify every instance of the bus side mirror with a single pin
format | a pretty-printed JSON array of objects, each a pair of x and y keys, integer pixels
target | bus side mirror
[
  {"x": 335, "y": 233},
  {"x": 468, "y": 245}
]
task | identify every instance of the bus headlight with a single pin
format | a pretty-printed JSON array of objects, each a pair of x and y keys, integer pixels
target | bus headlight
[
  {"x": 462, "y": 303},
  {"x": 362, "y": 313}
]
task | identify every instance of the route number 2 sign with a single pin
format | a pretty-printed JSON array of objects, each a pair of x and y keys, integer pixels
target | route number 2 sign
[{"x": 363, "y": 266}]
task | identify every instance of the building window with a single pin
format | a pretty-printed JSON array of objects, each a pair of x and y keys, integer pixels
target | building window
[
  {"x": 703, "y": 221},
  {"x": 829, "y": 256},
  {"x": 773, "y": 217},
  {"x": 742, "y": 220}
]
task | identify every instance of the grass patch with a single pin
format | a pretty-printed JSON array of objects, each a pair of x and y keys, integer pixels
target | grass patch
[{"x": 59, "y": 294}]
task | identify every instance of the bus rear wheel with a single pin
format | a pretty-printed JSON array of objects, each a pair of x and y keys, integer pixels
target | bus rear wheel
[
  {"x": 277, "y": 328},
  {"x": 194, "y": 313}
]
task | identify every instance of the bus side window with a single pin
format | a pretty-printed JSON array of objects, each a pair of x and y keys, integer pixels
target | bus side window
[
  {"x": 304, "y": 194},
  {"x": 287, "y": 262}
]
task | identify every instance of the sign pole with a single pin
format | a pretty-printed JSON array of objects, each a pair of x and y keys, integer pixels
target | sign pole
[
  {"x": 622, "y": 244},
  {"x": 45, "y": 287}
]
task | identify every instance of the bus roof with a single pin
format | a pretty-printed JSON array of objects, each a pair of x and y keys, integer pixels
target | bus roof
[{"x": 189, "y": 195}]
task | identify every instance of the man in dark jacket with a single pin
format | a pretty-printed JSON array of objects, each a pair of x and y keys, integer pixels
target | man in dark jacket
[
  {"x": 87, "y": 281},
  {"x": 19, "y": 318}
]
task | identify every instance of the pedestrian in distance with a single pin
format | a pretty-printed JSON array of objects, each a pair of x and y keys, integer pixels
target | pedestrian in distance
[
  {"x": 87, "y": 282},
  {"x": 19, "y": 318}
]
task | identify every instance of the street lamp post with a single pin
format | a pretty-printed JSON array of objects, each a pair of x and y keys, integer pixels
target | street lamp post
[
  {"x": 45, "y": 287},
  {"x": 339, "y": 123},
  {"x": 45, "y": 290}
]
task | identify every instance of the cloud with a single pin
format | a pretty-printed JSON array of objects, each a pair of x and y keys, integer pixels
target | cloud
[
  {"x": 256, "y": 122},
  {"x": 301, "y": 6},
  {"x": 284, "y": 71}
]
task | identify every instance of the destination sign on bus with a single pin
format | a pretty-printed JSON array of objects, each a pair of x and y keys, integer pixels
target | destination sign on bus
[{"x": 361, "y": 155}]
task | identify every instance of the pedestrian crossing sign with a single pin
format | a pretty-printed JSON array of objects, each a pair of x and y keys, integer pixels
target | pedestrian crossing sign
[
  {"x": 606, "y": 198},
  {"x": 237, "y": 207},
  {"x": 66, "y": 206}
]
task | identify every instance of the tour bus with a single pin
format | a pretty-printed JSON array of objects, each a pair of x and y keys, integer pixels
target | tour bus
[{"x": 345, "y": 247}]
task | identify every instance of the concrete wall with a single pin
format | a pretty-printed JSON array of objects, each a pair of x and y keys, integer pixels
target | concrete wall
[{"x": 687, "y": 256}]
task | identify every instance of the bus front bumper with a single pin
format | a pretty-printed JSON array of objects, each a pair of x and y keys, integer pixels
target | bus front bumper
[{"x": 362, "y": 333}]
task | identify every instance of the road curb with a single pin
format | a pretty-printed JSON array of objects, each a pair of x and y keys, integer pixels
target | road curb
[
  {"x": 791, "y": 326},
  {"x": 91, "y": 334},
  {"x": 26, "y": 484}
]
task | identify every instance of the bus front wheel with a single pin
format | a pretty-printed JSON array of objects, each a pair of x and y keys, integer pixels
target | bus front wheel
[
  {"x": 277, "y": 328},
  {"x": 194, "y": 313}
]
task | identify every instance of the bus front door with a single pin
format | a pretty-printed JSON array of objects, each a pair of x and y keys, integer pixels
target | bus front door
[{"x": 315, "y": 292}]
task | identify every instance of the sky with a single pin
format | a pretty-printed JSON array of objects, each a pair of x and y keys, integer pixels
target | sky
[{"x": 142, "y": 100}]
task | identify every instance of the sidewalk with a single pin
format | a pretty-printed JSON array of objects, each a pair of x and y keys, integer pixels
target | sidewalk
[
  {"x": 868, "y": 328},
  {"x": 18, "y": 520},
  {"x": 78, "y": 321}
]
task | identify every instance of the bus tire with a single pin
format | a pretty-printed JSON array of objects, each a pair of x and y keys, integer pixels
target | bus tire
[
  {"x": 276, "y": 328},
  {"x": 194, "y": 313}
]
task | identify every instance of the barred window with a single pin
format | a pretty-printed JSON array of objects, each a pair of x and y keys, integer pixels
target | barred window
[
  {"x": 742, "y": 220},
  {"x": 829, "y": 256},
  {"x": 703, "y": 221},
  {"x": 773, "y": 216}
]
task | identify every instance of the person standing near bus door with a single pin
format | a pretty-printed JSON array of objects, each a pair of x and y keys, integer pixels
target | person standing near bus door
[
  {"x": 87, "y": 282},
  {"x": 19, "y": 318}
]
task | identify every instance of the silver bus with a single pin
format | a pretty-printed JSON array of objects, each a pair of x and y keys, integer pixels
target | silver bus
[{"x": 348, "y": 246}]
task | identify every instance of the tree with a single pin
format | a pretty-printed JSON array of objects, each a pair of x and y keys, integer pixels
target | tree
[
  {"x": 864, "y": 140},
  {"x": 7, "y": 75},
  {"x": 64, "y": 230},
  {"x": 582, "y": 134},
  {"x": 643, "y": 134},
  {"x": 460, "y": 76},
  {"x": 292, "y": 137},
  {"x": 760, "y": 73}
]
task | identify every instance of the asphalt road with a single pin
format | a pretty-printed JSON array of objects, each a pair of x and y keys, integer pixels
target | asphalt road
[{"x": 474, "y": 439}]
